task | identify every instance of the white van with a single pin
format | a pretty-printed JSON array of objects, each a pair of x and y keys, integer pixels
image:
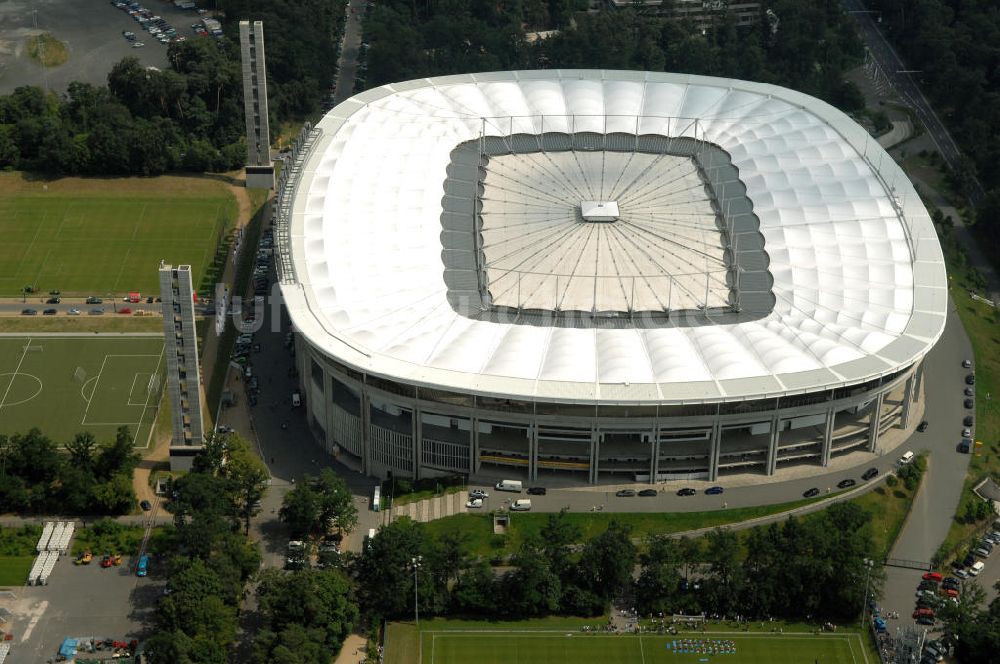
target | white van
[
  {"x": 368, "y": 540},
  {"x": 509, "y": 485},
  {"x": 521, "y": 505},
  {"x": 906, "y": 458},
  {"x": 976, "y": 568}
]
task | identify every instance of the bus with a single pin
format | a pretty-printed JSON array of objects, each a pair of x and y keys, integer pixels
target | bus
[{"x": 376, "y": 498}]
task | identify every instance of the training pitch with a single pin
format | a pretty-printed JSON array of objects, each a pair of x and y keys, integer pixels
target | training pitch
[
  {"x": 570, "y": 647},
  {"x": 94, "y": 237},
  {"x": 67, "y": 384}
]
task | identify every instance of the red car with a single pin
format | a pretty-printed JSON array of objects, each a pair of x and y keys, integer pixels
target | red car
[
  {"x": 950, "y": 592},
  {"x": 106, "y": 561},
  {"x": 923, "y": 612},
  {"x": 932, "y": 576}
]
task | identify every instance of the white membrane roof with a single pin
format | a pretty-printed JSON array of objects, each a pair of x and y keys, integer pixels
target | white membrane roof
[
  {"x": 663, "y": 252},
  {"x": 858, "y": 273}
]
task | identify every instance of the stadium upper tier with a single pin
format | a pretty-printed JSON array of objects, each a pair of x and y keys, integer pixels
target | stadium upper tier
[{"x": 443, "y": 233}]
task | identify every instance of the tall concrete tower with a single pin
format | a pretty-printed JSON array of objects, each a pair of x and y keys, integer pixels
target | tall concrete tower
[
  {"x": 260, "y": 169},
  {"x": 183, "y": 378}
]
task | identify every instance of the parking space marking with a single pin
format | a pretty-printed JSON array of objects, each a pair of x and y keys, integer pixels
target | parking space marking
[{"x": 36, "y": 616}]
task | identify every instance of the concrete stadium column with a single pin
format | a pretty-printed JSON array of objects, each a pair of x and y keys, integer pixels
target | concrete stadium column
[
  {"x": 873, "y": 420},
  {"x": 328, "y": 406},
  {"x": 919, "y": 383},
  {"x": 714, "y": 449},
  {"x": 772, "y": 447},
  {"x": 474, "y": 461},
  {"x": 654, "y": 461},
  {"x": 595, "y": 452},
  {"x": 366, "y": 434},
  {"x": 417, "y": 427},
  {"x": 831, "y": 417},
  {"x": 904, "y": 419},
  {"x": 533, "y": 452}
]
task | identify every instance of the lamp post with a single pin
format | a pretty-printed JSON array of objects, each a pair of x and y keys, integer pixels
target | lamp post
[
  {"x": 864, "y": 602},
  {"x": 415, "y": 564}
]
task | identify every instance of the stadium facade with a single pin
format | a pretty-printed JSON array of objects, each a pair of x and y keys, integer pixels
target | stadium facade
[{"x": 603, "y": 276}]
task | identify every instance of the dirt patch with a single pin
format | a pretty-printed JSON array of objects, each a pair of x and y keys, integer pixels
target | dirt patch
[{"x": 47, "y": 50}]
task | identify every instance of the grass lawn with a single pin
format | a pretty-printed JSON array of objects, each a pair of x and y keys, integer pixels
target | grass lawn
[
  {"x": 81, "y": 324},
  {"x": 560, "y": 641},
  {"x": 14, "y": 569},
  {"x": 47, "y": 50},
  {"x": 477, "y": 529},
  {"x": 90, "y": 383},
  {"x": 99, "y": 236},
  {"x": 888, "y": 507}
]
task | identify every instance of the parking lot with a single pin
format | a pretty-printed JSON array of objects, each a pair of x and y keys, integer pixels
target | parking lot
[
  {"x": 93, "y": 33},
  {"x": 79, "y": 601}
]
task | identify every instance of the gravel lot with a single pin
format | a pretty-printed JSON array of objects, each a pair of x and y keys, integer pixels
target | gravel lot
[
  {"x": 91, "y": 29},
  {"x": 79, "y": 601}
]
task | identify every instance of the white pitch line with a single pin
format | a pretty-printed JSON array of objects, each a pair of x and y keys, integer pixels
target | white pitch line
[
  {"x": 14, "y": 375},
  {"x": 93, "y": 393},
  {"x": 156, "y": 372},
  {"x": 642, "y": 653}
]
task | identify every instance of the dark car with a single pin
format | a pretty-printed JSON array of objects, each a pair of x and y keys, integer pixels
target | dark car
[
  {"x": 965, "y": 447},
  {"x": 96, "y": 312},
  {"x": 969, "y": 560},
  {"x": 922, "y": 427},
  {"x": 970, "y": 404},
  {"x": 870, "y": 473},
  {"x": 811, "y": 492},
  {"x": 925, "y": 620},
  {"x": 625, "y": 493},
  {"x": 648, "y": 493},
  {"x": 970, "y": 392},
  {"x": 146, "y": 505},
  {"x": 536, "y": 491},
  {"x": 845, "y": 484},
  {"x": 28, "y": 312},
  {"x": 714, "y": 490},
  {"x": 53, "y": 300},
  {"x": 968, "y": 421},
  {"x": 49, "y": 312},
  {"x": 94, "y": 300},
  {"x": 970, "y": 379},
  {"x": 688, "y": 491}
]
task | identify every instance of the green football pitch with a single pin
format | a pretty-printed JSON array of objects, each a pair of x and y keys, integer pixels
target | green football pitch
[
  {"x": 86, "y": 237},
  {"x": 67, "y": 384},
  {"x": 570, "y": 647}
]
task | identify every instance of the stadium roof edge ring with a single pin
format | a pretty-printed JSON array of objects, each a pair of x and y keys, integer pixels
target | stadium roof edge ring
[{"x": 859, "y": 280}]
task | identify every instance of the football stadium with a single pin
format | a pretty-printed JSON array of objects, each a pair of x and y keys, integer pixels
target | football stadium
[{"x": 603, "y": 277}]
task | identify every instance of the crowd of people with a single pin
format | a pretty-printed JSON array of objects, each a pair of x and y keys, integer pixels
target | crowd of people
[{"x": 702, "y": 647}]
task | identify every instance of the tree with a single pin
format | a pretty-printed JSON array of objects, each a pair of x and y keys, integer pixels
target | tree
[
  {"x": 660, "y": 577},
  {"x": 319, "y": 603},
  {"x": 336, "y": 504},
  {"x": 726, "y": 581},
  {"x": 81, "y": 451},
  {"x": 300, "y": 510},
  {"x": 532, "y": 589},
  {"x": 119, "y": 456},
  {"x": 606, "y": 563}
]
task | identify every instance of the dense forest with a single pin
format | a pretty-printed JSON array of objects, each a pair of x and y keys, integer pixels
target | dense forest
[
  {"x": 809, "y": 50},
  {"x": 187, "y": 118},
  {"x": 956, "y": 46}
]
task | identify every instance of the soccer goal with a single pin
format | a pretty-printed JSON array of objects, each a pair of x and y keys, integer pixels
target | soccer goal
[
  {"x": 32, "y": 348},
  {"x": 80, "y": 375},
  {"x": 681, "y": 619},
  {"x": 153, "y": 386}
]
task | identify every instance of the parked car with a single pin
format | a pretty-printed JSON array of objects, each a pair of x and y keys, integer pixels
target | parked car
[
  {"x": 474, "y": 503},
  {"x": 950, "y": 592},
  {"x": 869, "y": 474},
  {"x": 28, "y": 312},
  {"x": 537, "y": 491},
  {"x": 966, "y": 433},
  {"x": 976, "y": 568},
  {"x": 846, "y": 484},
  {"x": 648, "y": 493},
  {"x": 625, "y": 493},
  {"x": 125, "y": 310},
  {"x": 94, "y": 300},
  {"x": 969, "y": 392},
  {"x": 146, "y": 505},
  {"x": 923, "y": 612},
  {"x": 932, "y": 576},
  {"x": 922, "y": 427},
  {"x": 970, "y": 379},
  {"x": 927, "y": 585},
  {"x": 49, "y": 312},
  {"x": 96, "y": 312},
  {"x": 478, "y": 493},
  {"x": 962, "y": 573},
  {"x": 714, "y": 491},
  {"x": 73, "y": 312},
  {"x": 811, "y": 492},
  {"x": 925, "y": 620},
  {"x": 53, "y": 300},
  {"x": 968, "y": 420},
  {"x": 687, "y": 491},
  {"x": 981, "y": 552}
]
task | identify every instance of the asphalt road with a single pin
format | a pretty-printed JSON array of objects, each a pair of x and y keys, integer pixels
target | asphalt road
[
  {"x": 904, "y": 83},
  {"x": 93, "y": 33},
  {"x": 347, "y": 65},
  {"x": 937, "y": 500}
]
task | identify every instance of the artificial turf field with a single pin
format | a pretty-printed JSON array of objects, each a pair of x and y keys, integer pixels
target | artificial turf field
[
  {"x": 94, "y": 237},
  {"x": 67, "y": 384},
  {"x": 568, "y": 647}
]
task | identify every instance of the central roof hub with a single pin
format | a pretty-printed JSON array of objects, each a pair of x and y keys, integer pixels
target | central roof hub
[{"x": 599, "y": 211}]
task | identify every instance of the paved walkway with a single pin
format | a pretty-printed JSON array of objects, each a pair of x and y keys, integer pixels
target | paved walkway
[{"x": 901, "y": 131}]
